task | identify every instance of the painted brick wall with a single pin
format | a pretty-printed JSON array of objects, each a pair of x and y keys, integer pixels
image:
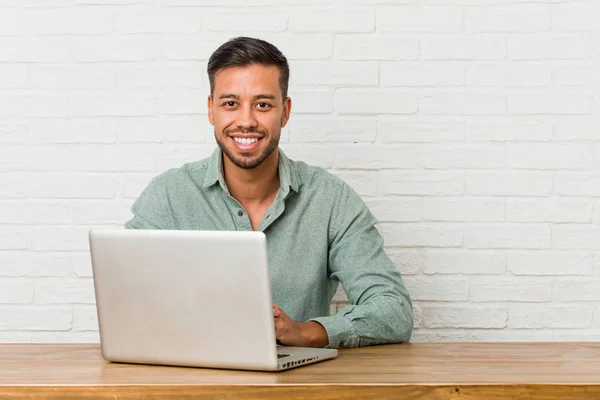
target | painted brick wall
[{"x": 470, "y": 127}]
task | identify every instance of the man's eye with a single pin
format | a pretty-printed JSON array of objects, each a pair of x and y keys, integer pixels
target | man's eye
[
  {"x": 230, "y": 103},
  {"x": 264, "y": 105}
]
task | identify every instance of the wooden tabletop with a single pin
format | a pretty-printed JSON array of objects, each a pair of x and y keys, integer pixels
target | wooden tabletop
[{"x": 406, "y": 371}]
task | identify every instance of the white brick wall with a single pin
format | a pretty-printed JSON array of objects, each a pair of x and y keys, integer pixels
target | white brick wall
[{"x": 470, "y": 127}]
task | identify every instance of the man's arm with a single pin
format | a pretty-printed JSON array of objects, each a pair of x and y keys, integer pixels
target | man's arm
[
  {"x": 381, "y": 308},
  {"x": 150, "y": 210}
]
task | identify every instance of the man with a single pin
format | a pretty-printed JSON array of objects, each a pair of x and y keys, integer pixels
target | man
[{"x": 319, "y": 231}]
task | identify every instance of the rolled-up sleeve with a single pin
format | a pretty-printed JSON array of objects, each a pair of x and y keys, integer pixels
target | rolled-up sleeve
[{"x": 381, "y": 309}]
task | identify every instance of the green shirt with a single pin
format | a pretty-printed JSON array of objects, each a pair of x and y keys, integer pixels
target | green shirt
[{"x": 319, "y": 233}]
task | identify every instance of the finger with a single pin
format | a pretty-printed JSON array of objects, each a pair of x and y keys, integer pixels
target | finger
[{"x": 276, "y": 310}]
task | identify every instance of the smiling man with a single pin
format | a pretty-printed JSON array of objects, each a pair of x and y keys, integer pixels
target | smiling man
[{"x": 319, "y": 232}]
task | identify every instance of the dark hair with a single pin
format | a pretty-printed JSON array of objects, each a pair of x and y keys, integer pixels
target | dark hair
[{"x": 244, "y": 51}]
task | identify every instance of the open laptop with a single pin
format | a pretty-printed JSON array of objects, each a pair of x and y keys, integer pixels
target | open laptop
[{"x": 189, "y": 298}]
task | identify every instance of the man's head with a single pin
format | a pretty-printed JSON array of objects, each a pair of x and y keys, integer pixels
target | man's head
[{"x": 248, "y": 104}]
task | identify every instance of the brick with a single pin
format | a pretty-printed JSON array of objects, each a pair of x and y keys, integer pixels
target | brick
[
  {"x": 516, "y": 74},
  {"x": 332, "y": 129},
  {"x": 577, "y": 290},
  {"x": 468, "y": 262},
  {"x": 549, "y": 47},
  {"x": 33, "y": 105},
  {"x": 375, "y": 101},
  {"x": 101, "y": 212},
  {"x": 421, "y": 74},
  {"x": 421, "y": 235},
  {"x": 115, "y": 103},
  {"x": 68, "y": 21},
  {"x": 66, "y": 337},
  {"x": 451, "y": 209},
  {"x": 15, "y": 337},
  {"x": 508, "y": 130},
  {"x": 58, "y": 239},
  {"x": 34, "y": 212},
  {"x": 576, "y": 75},
  {"x": 36, "y": 3},
  {"x": 168, "y": 75},
  {"x": 51, "y": 49},
  {"x": 376, "y": 157},
  {"x": 13, "y": 238},
  {"x": 577, "y": 184},
  {"x": 102, "y": 158},
  {"x": 508, "y": 237},
  {"x": 525, "y": 18},
  {"x": 448, "y": 47},
  {"x": 312, "y": 101},
  {"x": 14, "y": 134},
  {"x": 481, "y": 335},
  {"x": 432, "y": 288},
  {"x": 11, "y": 22},
  {"x": 64, "y": 291},
  {"x": 40, "y": 158},
  {"x": 12, "y": 186},
  {"x": 302, "y": 46},
  {"x": 576, "y": 335},
  {"x": 74, "y": 130},
  {"x": 30, "y": 264},
  {"x": 425, "y": 184},
  {"x": 463, "y": 157},
  {"x": 408, "y": 261},
  {"x": 322, "y": 156},
  {"x": 549, "y": 210},
  {"x": 35, "y": 318},
  {"x": 85, "y": 318},
  {"x": 158, "y": 20},
  {"x": 395, "y": 209},
  {"x": 572, "y": 237},
  {"x": 576, "y": 18},
  {"x": 71, "y": 77},
  {"x": 176, "y": 156},
  {"x": 16, "y": 291},
  {"x": 464, "y": 316},
  {"x": 419, "y": 19},
  {"x": 549, "y": 103},
  {"x": 421, "y": 132},
  {"x": 334, "y": 73},
  {"x": 379, "y": 47},
  {"x": 548, "y": 316},
  {"x": 363, "y": 182},
  {"x": 185, "y": 47},
  {"x": 106, "y": 48},
  {"x": 550, "y": 156},
  {"x": 82, "y": 264},
  {"x": 187, "y": 129},
  {"x": 73, "y": 187},
  {"x": 550, "y": 263},
  {"x": 141, "y": 130},
  {"x": 509, "y": 184},
  {"x": 13, "y": 76},
  {"x": 577, "y": 128},
  {"x": 329, "y": 20},
  {"x": 462, "y": 103},
  {"x": 242, "y": 22},
  {"x": 510, "y": 290}
]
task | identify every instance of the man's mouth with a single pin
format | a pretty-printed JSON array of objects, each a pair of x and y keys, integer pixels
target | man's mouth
[
  {"x": 245, "y": 140},
  {"x": 245, "y": 143}
]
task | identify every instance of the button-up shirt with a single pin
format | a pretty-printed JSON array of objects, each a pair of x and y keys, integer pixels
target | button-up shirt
[{"x": 319, "y": 234}]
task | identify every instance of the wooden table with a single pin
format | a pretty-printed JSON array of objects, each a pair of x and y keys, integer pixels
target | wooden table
[{"x": 407, "y": 371}]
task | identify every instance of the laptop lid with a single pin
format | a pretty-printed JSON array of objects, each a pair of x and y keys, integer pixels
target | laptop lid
[{"x": 189, "y": 298}]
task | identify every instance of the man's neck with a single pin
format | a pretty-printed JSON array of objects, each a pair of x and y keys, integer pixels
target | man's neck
[{"x": 253, "y": 186}]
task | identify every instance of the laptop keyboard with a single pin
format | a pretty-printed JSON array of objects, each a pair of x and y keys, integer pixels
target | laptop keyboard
[{"x": 282, "y": 355}]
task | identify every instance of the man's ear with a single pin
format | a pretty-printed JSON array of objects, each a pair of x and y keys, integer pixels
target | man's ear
[
  {"x": 287, "y": 109},
  {"x": 211, "y": 118}
]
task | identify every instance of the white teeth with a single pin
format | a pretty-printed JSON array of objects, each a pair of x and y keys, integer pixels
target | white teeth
[{"x": 245, "y": 140}]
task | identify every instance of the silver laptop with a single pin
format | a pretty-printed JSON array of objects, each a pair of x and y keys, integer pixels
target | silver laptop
[{"x": 189, "y": 298}]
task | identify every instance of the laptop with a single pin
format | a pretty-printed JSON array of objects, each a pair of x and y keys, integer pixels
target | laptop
[{"x": 189, "y": 298}]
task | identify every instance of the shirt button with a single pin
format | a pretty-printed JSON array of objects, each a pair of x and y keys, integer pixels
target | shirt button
[{"x": 240, "y": 213}]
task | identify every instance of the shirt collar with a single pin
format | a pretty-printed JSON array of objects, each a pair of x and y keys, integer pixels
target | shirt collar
[{"x": 288, "y": 176}]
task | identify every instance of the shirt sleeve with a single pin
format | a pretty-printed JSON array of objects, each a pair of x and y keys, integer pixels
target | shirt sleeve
[
  {"x": 381, "y": 309},
  {"x": 150, "y": 210}
]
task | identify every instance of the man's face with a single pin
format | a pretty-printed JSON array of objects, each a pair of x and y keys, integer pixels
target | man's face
[{"x": 248, "y": 112}]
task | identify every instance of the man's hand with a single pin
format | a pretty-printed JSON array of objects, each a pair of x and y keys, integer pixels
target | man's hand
[{"x": 299, "y": 334}]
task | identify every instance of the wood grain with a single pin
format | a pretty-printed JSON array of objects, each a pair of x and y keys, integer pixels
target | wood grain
[{"x": 406, "y": 371}]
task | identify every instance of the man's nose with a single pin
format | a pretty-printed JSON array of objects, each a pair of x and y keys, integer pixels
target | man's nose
[{"x": 245, "y": 118}]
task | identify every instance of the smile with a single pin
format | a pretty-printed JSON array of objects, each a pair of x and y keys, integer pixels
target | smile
[{"x": 245, "y": 140}]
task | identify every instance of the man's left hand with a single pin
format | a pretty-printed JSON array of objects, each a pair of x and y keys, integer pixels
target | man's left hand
[{"x": 299, "y": 334}]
